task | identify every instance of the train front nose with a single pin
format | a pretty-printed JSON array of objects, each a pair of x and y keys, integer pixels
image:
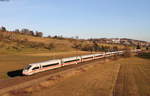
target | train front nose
[{"x": 25, "y": 72}]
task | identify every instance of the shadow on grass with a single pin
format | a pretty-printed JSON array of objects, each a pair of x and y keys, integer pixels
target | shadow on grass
[
  {"x": 144, "y": 55},
  {"x": 15, "y": 73}
]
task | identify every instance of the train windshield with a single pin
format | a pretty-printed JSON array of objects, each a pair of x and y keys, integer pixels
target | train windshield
[{"x": 27, "y": 67}]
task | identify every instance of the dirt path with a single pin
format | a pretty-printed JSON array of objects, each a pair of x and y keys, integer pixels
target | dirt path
[
  {"x": 124, "y": 82},
  {"x": 133, "y": 78}
]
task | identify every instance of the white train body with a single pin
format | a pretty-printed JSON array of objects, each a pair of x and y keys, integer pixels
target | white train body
[
  {"x": 98, "y": 56},
  {"x": 71, "y": 60},
  {"x": 87, "y": 57},
  {"x": 41, "y": 66},
  {"x": 52, "y": 64}
]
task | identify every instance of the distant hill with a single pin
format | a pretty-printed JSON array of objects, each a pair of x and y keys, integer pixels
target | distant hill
[
  {"x": 123, "y": 41},
  {"x": 26, "y": 40},
  {"x": 16, "y": 42}
]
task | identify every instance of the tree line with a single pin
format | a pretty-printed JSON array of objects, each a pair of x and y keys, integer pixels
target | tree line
[
  {"x": 24, "y": 31},
  {"x": 94, "y": 46}
]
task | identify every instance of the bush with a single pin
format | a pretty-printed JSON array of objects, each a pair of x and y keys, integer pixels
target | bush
[
  {"x": 144, "y": 55},
  {"x": 49, "y": 46},
  {"x": 35, "y": 45},
  {"x": 127, "y": 53}
]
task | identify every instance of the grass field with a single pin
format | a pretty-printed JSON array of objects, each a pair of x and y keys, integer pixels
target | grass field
[
  {"x": 133, "y": 78},
  {"x": 120, "y": 77},
  {"x": 124, "y": 77}
]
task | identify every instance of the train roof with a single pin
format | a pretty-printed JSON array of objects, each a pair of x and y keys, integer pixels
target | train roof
[
  {"x": 46, "y": 62},
  {"x": 84, "y": 56},
  {"x": 107, "y": 52},
  {"x": 70, "y": 57},
  {"x": 99, "y": 54}
]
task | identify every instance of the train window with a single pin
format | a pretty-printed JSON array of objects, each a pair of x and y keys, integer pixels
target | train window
[
  {"x": 87, "y": 57},
  {"x": 50, "y": 65},
  {"x": 98, "y": 55},
  {"x": 27, "y": 67},
  {"x": 71, "y": 60},
  {"x": 35, "y": 68}
]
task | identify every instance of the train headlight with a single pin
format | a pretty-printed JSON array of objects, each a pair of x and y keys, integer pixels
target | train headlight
[{"x": 25, "y": 72}]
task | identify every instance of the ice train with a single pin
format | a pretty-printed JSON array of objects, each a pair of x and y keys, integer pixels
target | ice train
[{"x": 52, "y": 64}]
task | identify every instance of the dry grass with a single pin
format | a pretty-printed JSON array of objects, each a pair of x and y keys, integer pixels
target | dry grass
[
  {"x": 133, "y": 78},
  {"x": 14, "y": 44}
]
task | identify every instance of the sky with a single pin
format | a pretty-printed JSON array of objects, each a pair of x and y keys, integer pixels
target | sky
[{"x": 83, "y": 18}]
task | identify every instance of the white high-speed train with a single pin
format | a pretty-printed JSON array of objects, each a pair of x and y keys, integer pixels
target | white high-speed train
[{"x": 52, "y": 64}]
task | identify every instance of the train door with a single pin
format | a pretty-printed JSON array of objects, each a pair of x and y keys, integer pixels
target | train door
[
  {"x": 81, "y": 58},
  {"x": 61, "y": 63},
  {"x": 41, "y": 67},
  {"x": 77, "y": 60}
]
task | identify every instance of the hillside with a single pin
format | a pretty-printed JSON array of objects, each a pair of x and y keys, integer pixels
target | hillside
[
  {"x": 12, "y": 42},
  {"x": 15, "y": 42}
]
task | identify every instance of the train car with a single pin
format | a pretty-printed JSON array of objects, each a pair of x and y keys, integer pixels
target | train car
[
  {"x": 114, "y": 53},
  {"x": 41, "y": 66},
  {"x": 51, "y": 64},
  {"x": 71, "y": 60},
  {"x": 98, "y": 56},
  {"x": 120, "y": 52},
  {"x": 108, "y": 54},
  {"x": 87, "y": 57}
]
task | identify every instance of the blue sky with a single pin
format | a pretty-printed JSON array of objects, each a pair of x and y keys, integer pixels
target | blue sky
[{"x": 83, "y": 18}]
